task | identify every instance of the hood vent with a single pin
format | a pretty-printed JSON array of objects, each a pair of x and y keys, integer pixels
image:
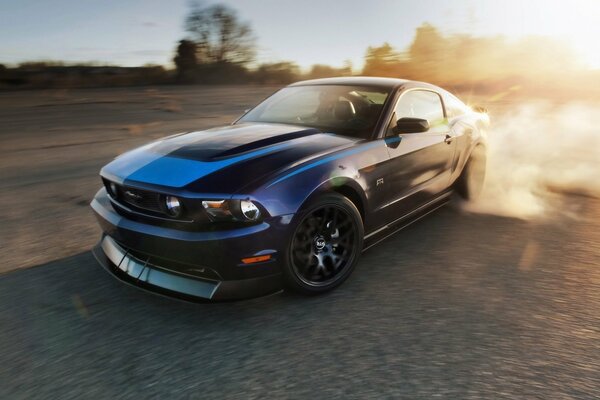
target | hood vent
[{"x": 266, "y": 142}]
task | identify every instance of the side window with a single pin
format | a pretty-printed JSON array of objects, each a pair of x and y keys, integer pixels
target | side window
[
  {"x": 421, "y": 104},
  {"x": 454, "y": 107}
]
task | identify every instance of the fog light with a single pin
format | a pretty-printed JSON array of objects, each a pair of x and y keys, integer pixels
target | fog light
[
  {"x": 249, "y": 210},
  {"x": 173, "y": 206}
]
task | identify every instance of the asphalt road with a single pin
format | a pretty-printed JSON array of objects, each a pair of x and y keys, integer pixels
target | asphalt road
[{"x": 456, "y": 306}]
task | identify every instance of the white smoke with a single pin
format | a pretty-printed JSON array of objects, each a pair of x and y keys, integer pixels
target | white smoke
[{"x": 537, "y": 153}]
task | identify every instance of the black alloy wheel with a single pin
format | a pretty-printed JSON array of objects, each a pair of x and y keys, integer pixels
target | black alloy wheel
[{"x": 325, "y": 245}]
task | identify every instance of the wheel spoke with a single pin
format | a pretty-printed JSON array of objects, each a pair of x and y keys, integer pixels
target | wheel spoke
[
  {"x": 342, "y": 238},
  {"x": 337, "y": 261},
  {"x": 324, "y": 219},
  {"x": 333, "y": 225}
]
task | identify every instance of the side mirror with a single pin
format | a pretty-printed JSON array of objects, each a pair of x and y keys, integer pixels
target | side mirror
[{"x": 411, "y": 125}]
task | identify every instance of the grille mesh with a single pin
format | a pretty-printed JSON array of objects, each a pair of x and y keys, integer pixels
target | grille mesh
[
  {"x": 141, "y": 199},
  {"x": 137, "y": 198}
]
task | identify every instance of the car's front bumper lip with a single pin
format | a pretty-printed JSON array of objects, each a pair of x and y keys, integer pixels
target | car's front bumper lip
[{"x": 126, "y": 267}]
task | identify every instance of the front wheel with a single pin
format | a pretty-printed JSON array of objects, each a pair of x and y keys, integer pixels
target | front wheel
[{"x": 324, "y": 246}]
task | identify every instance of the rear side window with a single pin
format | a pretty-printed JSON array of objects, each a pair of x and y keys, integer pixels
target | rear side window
[
  {"x": 454, "y": 107},
  {"x": 422, "y": 104}
]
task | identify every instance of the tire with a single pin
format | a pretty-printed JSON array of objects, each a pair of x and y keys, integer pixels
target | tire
[
  {"x": 470, "y": 183},
  {"x": 325, "y": 245}
]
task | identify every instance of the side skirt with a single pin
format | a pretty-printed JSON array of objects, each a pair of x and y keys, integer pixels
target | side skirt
[{"x": 388, "y": 230}]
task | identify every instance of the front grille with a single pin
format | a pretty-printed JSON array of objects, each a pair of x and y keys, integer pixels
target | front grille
[
  {"x": 141, "y": 199},
  {"x": 136, "y": 198}
]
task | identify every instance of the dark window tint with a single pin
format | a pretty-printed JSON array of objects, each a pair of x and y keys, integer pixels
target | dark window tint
[
  {"x": 422, "y": 104},
  {"x": 345, "y": 110},
  {"x": 454, "y": 107}
]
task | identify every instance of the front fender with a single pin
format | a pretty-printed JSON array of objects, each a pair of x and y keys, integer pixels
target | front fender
[
  {"x": 288, "y": 196},
  {"x": 354, "y": 168}
]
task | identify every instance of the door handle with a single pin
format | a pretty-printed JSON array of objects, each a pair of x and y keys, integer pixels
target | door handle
[{"x": 448, "y": 139}]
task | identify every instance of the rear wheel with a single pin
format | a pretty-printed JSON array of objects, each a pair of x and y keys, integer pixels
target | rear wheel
[
  {"x": 470, "y": 183},
  {"x": 325, "y": 245}
]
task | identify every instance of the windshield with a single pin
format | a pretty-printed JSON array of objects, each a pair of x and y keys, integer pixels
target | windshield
[{"x": 344, "y": 110}]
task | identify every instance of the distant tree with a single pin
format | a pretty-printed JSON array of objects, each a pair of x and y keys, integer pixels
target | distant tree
[
  {"x": 428, "y": 42},
  {"x": 185, "y": 60},
  {"x": 430, "y": 52},
  {"x": 325, "y": 71},
  {"x": 382, "y": 61},
  {"x": 220, "y": 36},
  {"x": 347, "y": 68},
  {"x": 280, "y": 72},
  {"x": 40, "y": 64}
]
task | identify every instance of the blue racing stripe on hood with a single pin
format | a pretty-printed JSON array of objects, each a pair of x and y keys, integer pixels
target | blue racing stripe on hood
[
  {"x": 126, "y": 164},
  {"x": 178, "y": 172}
]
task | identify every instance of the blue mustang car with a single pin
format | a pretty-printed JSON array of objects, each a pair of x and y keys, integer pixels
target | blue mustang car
[{"x": 291, "y": 193}]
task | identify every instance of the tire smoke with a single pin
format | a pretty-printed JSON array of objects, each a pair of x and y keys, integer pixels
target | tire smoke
[{"x": 537, "y": 153}]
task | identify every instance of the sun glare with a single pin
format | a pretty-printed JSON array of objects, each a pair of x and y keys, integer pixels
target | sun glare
[{"x": 576, "y": 23}]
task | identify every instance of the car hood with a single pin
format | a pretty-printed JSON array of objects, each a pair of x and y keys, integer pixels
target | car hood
[{"x": 221, "y": 160}]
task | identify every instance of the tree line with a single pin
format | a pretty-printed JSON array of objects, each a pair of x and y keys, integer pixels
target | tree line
[{"x": 221, "y": 49}]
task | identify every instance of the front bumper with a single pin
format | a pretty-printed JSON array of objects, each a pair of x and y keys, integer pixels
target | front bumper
[
  {"x": 190, "y": 264},
  {"x": 139, "y": 272}
]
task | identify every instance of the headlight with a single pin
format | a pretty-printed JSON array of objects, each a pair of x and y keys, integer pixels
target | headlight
[
  {"x": 173, "y": 206},
  {"x": 249, "y": 210},
  {"x": 232, "y": 210},
  {"x": 217, "y": 209}
]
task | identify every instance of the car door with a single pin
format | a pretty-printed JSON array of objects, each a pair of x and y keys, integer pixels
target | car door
[{"x": 420, "y": 164}]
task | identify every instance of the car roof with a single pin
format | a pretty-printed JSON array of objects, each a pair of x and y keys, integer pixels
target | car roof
[{"x": 359, "y": 80}]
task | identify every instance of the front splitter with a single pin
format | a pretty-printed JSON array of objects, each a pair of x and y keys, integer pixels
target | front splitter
[{"x": 124, "y": 266}]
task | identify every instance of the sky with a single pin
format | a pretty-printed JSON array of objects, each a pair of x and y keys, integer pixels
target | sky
[{"x": 138, "y": 32}]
